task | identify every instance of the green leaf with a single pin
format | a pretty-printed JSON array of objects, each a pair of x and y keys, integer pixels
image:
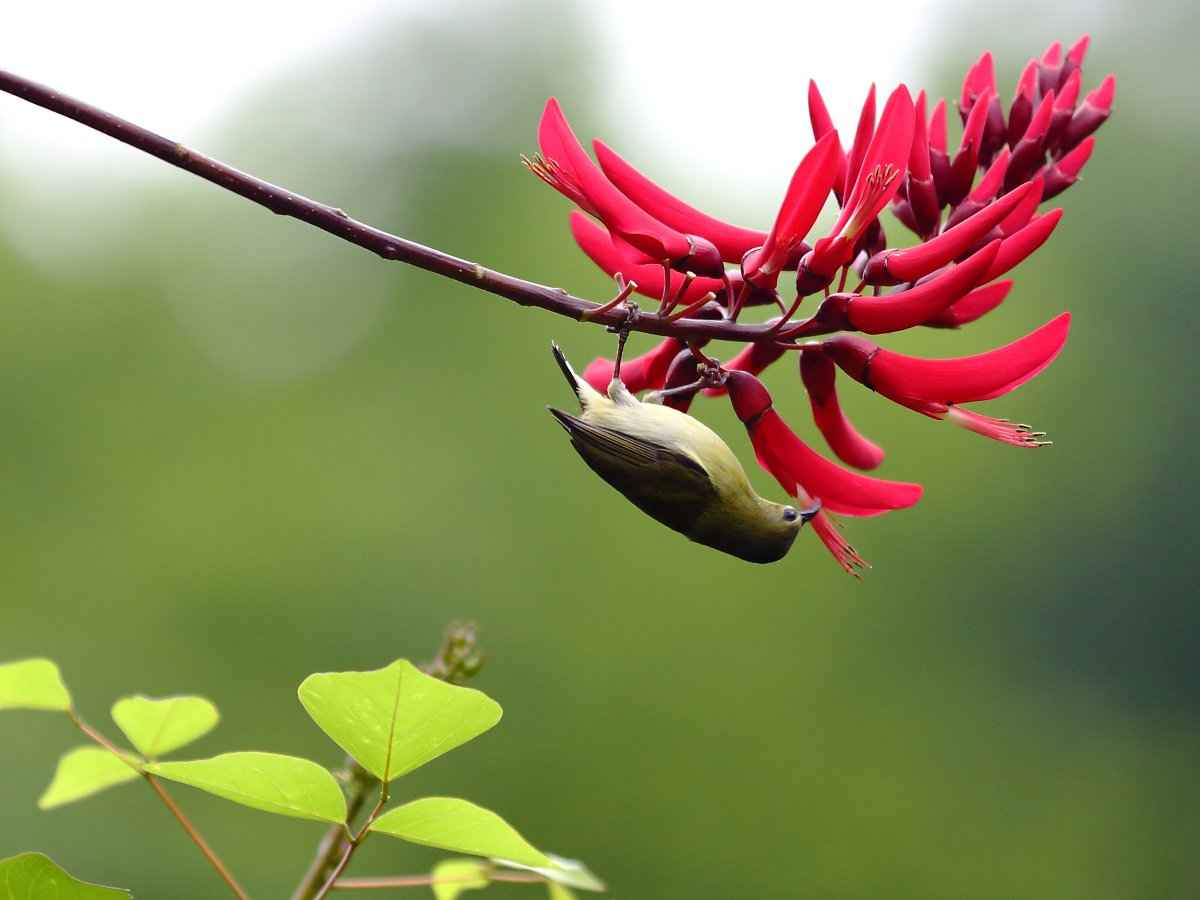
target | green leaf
[
  {"x": 156, "y": 727},
  {"x": 34, "y": 876},
  {"x": 284, "y": 785},
  {"x": 394, "y": 719},
  {"x": 453, "y": 876},
  {"x": 453, "y": 824},
  {"x": 85, "y": 771},
  {"x": 567, "y": 872},
  {"x": 33, "y": 684},
  {"x": 558, "y": 892}
]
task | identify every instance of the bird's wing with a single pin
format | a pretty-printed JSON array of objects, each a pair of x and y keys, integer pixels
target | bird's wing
[{"x": 666, "y": 484}]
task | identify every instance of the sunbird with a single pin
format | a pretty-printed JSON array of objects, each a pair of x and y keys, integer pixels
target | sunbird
[{"x": 676, "y": 470}]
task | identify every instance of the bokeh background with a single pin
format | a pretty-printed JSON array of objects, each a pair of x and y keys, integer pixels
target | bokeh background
[{"x": 237, "y": 451}]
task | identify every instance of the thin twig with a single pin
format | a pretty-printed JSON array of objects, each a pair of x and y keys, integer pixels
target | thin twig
[
  {"x": 168, "y": 801},
  {"x": 336, "y": 222},
  {"x": 403, "y": 881}
]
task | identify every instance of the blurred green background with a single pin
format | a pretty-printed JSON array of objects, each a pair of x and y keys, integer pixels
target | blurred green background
[{"x": 238, "y": 451}]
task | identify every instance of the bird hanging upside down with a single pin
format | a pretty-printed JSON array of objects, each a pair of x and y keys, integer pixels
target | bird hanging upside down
[{"x": 676, "y": 470}]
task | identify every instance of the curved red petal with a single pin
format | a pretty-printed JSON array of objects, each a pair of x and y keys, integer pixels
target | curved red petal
[
  {"x": 862, "y": 137},
  {"x": 1015, "y": 248},
  {"x": 793, "y": 463},
  {"x": 968, "y": 378},
  {"x": 975, "y": 305},
  {"x": 822, "y": 124},
  {"x": 818, "y": 374},
  {"x": 891, "y": 146},
  {"x": 732, "y": 241},
  {"x": 908, "y": 309},
  {"x": 617, "y": 211}
]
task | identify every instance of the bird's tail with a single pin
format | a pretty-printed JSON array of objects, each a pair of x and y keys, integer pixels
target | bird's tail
[{"x": 582, "y": 389}]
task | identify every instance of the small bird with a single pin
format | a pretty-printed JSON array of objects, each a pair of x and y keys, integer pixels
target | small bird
[{"x": 676, "y": 470}]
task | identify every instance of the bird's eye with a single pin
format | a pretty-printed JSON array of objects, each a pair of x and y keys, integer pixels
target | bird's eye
[{"x": 789, "y": 514}]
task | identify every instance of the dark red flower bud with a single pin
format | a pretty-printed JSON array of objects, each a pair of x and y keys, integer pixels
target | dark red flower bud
[
  {"x": 919, "y": 189},
  {"x": 682, "y": 372},
  {"x": 1026, "y": 98},
  {"x": 988, "y": 187},
  {"x": 1030, "y": 152},
  {"x": 962, "y": 167},
  {"x": 939, "y": 159},
  {"x": 1094, "y": 112},
  {"x": 1064, "y": 108},
  {"x": 1050, "y": 68},
  {"x": 731, "y": 240},
  {"x": 818, "y": 373},
  {"x": 975, "y": 305},
  {"x": 1062, "y": 174}
]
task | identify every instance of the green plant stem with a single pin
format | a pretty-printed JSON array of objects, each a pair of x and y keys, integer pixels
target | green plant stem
[
  {"x": 457, "y": 661},
  {"x": 403, "y": 881},
  {"x": 192, "y": 831}
]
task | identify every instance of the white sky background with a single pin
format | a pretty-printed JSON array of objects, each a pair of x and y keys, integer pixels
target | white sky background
[{"x": 174, "y": 71}]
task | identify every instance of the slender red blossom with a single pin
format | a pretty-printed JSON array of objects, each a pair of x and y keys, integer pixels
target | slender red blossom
[{"x": 976, "y": 214}]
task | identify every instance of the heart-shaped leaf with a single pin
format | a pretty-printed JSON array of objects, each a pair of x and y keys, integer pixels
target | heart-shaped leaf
[
  {"x": 156, "y": 727},
  {"x": 33, "y": 684},
  {"x": 85, "y": 771},
  {"x": 453, "y": 876},
  {"x": 453, "y": 824},
  {"x": 34, "y": 876},
  {"x": 394, "y": 719},
  {"x": 284, "y": 785}
]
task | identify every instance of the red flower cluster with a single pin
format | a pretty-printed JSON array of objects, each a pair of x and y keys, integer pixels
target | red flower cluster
[{"x": 975, "y": 212}]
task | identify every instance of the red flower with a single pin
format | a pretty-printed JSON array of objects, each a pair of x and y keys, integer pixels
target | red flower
[{"x": 975, "y": 212}]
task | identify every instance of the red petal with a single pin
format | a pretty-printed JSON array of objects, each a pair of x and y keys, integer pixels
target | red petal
[
  {"x": 907, "y": 309},
  {"x": 802, "y": 203},
  {"x": 890, "y": 146},
  {"x": 993, "y": 178},
  {"x": 1014, "y": 249},
  {"x": 1079, "y": 50},
  {"x": 818, "y": 373},
  {"x": 1064, "y": 173},
  {"x": 794, "y": 463},
  {"x": 732, "y": 241},
  {"x": 822, "y": 124},
  {"x": 862, "y": 137},
  {"x": 981, "y": 78},
  {"x": 645, "y": 372},
  {"x": 937, "y": 127},
  {"x": 895, "y": 266},
  {"x": 598, "y": 244},
  {"x": 1023, "y": 211},
  {"x": 975, "y": 305},
  {"x": 968, "y": 378},
  {"x": 617, "y": 211},
  {"x": 918, "y": 158}
]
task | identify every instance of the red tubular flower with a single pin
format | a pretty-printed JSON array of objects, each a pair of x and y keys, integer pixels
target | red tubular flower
[
  {"x": 568, "y": 169},
  {"x": 975, "y": 305},
  {"x": 1023, "y": 212},
  {"x": 1064, "y": 108},
  {"x": 919, "y": 189},
  {"x": 912, "y": 381},
  {"x": 939, "y": 160},
  {"x": 862, "y": 137},
  {"x": 1093, "y": 113},
  {"x": 640, "y": 373},
  {"x": 962, "y": 167},
  {"x": 732, "y": 241},
  {"x": 822, "y": 124},
  {"x": 615, "y": 257},
  {"x": 909, "y": 264},
  {"x": 909, "y": 308},
  {"x": 1030, "y": 152},
  {"x": 1050, "y": 68},
  {"x": 984, "y": 192},
  {"x": 794, "y": 464},
  {"x": 883, "y": 167},
  {"x": 802, "y": 203},
  {"x": 819, "y": 376},
  {"x": 980, "y": 85},
  {"x": 1062, "y": 174},
  {"x": 682, "y": 372},
  {"x": 1023, "y": 103}
]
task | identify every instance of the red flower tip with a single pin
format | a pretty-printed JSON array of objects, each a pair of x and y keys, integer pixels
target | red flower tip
[
  {"x": 1079, "y": 50},
  {"x": 993, "y": 179},
  {"x": 822, "y": 124},
  {"x": 937, "y": 127},
  {"x": 802, "y": 203},
  {"x": 918, "y": 158},
  {"x": 962, "y": 167},
  {"x": 917, "y": 305},
  {"x": 818, "y": 374},
  {"x": 1027, "y": 85},
  {"x": 1023, "y": 211},
  {"x": 997, "y": 429},
  {"x": 648, "y": 371},
  {"x": 1053, "y": 54},
  {"x": 1065, "y": 172},
  {"x": 615, "y": 257},
  {"x": 1041, "y": 119},
  {"x": 909, "y": 264},
  {"x": 1069, "y": 93},
  {"x": 731, "y": 240},
  {"x": 975, "y": 305},
  {"x": 572, "y": 172},
  {"x": 1015, "y": 248},
  {"x": 1021, "y": 110}
]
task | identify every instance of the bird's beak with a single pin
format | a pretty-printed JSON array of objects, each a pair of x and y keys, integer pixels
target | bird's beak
[{"x": 807, "y": 515}]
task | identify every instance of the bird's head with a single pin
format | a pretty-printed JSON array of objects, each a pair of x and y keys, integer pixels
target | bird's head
[{"x": 775, "y": 528}]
